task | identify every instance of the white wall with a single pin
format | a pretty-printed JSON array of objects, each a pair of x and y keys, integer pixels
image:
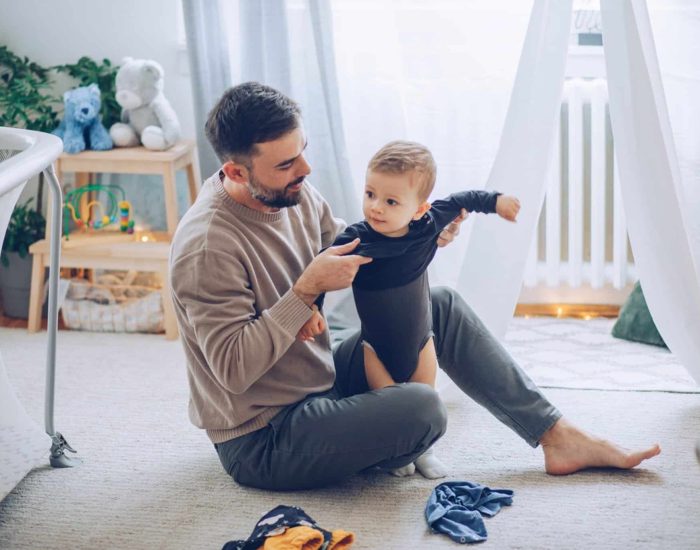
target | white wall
[
  {"x": 62, "y": 31},
  {"x": 53, "y": 32}
]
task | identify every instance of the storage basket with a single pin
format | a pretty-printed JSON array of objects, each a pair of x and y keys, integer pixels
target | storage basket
[{"x": 112, "y": 307}]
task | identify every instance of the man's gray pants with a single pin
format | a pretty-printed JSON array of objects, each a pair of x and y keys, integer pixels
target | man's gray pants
[{"x": 331, "y": 436}]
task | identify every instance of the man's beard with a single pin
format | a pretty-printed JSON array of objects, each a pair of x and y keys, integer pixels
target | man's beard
[{"x": 271, "y": 197}]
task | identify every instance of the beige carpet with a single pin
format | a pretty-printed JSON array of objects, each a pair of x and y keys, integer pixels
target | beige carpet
[{"x": 151, "y": 480}]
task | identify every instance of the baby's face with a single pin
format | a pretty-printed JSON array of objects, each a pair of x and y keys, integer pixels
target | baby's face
[{"x": 390, "y": 202}]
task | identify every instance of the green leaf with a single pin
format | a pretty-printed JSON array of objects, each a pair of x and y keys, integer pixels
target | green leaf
[
  {"x": 25, "y": 98},
  {"x": 26, "y": 226}
]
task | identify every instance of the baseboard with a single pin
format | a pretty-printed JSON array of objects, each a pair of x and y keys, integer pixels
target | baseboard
[
  {"x": 584, "y": 294},
  {"x": 578, "y": 311}
]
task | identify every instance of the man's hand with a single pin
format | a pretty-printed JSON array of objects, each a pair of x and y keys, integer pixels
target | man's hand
[
  {"x": 507, "y": 207},
  {"x": 332, "y": 269},
  {"x": 451, "y": 231},
  {"x": 313, "y": 327}
]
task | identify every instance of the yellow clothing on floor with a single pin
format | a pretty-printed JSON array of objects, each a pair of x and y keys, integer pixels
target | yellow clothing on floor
[
  {"x": 341, "y": 540},
  {"x": 295, "y": 538},
  {"x": 307, "y": 538}
]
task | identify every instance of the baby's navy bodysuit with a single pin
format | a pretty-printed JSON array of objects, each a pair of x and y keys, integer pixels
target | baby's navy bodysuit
[{"x": 391, "y": 293}]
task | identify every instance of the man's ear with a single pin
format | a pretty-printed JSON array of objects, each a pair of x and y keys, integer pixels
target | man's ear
[
  {"x": 422, "y": 209},
  {"x": 235, "y": 171}
]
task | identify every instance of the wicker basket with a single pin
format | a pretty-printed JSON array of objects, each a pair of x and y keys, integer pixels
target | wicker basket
[{"x": 112, "y": 307}]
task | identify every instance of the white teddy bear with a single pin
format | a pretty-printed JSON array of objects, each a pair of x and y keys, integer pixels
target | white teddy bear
[{"x": 147, "y": 116}]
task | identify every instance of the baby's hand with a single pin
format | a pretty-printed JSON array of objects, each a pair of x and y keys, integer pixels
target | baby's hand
[
  {"x": 314, "y": 326},
  {"x": 507, "y": 207}
]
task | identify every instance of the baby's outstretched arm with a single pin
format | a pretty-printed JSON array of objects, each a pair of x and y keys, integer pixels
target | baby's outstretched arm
[{"x": 443, "y": 211}]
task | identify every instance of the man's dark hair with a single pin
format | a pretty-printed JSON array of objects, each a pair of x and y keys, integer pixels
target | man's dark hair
[{"x": 247, "y": 114}]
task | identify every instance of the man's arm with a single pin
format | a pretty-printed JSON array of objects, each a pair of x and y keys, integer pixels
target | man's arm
[
  {"x": 347, "y": 236},
  {"x": 239, "y": 344},
  {"x": 333, "y": 269},
  {"x": 448, "y": 234}
]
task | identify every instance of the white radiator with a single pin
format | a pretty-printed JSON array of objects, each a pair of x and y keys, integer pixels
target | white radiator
[{"x": 581, "y": 241}]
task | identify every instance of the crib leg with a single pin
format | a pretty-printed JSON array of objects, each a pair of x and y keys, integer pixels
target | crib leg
[
  {"x": 59, "y": 444},
  {"x": 58, "y": 458}
]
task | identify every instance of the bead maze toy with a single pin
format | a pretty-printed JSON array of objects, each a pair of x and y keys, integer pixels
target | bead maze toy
[{"x": 116, "y": 210}]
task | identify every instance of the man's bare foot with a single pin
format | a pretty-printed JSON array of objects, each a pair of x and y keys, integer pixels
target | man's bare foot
[{"x": 568, "y": 449}]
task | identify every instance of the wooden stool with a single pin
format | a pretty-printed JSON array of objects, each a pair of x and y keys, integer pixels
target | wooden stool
[
  {"x": 115, "y": 251},
  {"x": 107, "y": 249}
]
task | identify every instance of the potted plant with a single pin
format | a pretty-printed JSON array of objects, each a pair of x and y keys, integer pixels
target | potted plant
[
  {"x": 26, "y": 226},
  {"x": 28, "y": 100},
  {"x": 25, "y": 102},
  {"x": 25, "y": 94}
]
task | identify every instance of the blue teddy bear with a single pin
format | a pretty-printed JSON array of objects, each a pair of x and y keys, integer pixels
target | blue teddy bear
[{"x": 81, "y": 127}]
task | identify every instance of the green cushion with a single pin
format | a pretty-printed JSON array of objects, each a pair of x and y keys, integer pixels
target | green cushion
[{"x": 635, "y": 322}]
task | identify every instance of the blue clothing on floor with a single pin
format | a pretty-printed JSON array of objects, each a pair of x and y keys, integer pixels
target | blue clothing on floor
[{"x": 455, "y": 508}]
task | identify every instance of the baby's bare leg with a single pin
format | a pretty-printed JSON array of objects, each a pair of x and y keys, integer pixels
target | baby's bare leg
[
  {"x": 426, "y": 371},
  {"x": 428, "y": 464},
  {"x": 375, "y": 371}
]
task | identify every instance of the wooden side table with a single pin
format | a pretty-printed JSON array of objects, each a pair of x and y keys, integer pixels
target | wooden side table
[{"x": 107, "y": 249}]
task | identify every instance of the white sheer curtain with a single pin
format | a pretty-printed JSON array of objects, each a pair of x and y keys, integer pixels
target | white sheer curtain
[
  {"x": 492, "y": 273},
  {"x": 660, "y": 207},
  {"x": 443, "y": 74},
  {"x": 676, "y": 29},
  {"x": 288, "y": 44},
  {"x": 209, "y": 67},
  {"x": 440, "y": 73},
  {"x": 437, "y": 72}
]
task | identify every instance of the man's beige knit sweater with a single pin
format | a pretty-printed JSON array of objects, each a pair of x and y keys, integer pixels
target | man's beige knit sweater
[{"x": 231, "y": 271}]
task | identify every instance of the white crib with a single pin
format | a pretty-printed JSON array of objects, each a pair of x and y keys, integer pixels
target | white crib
[{"x": 24, "y": 154}]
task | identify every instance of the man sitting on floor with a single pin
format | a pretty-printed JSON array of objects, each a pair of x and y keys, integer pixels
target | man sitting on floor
[{"x": 290, "y": 414}]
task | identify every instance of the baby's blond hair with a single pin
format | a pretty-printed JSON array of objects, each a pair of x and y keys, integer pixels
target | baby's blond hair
[{"x": 402, "y": 157}]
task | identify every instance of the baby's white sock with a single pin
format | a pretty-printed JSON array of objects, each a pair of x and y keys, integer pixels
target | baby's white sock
[
  {"x": 404, "y": 471},
  {"x": 430, "y": 466}
]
